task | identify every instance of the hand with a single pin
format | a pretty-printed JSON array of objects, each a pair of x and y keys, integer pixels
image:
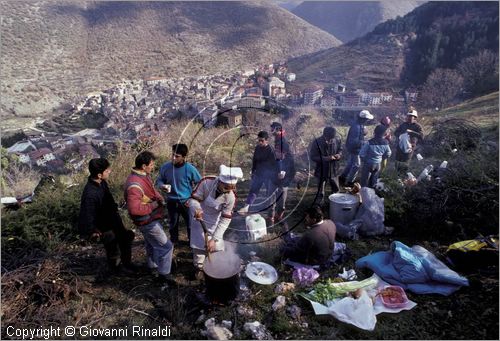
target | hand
[
  {"x": 211, "y": 245},
  {"x": 198, "y": 214},
  {"x": 336, "y": 157},
  {"x": 155, "y": 205}
]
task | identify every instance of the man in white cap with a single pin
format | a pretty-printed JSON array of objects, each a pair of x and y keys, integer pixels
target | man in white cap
[
  {"x": 213, "y": 202},
  {"x": 408, "y": 135},
  {"x": 354, "y": 142}
]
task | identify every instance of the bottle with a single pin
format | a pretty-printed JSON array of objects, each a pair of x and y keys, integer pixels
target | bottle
[
  {"x": 425, "y": 172},
  {"x": 443, "y": 164}
]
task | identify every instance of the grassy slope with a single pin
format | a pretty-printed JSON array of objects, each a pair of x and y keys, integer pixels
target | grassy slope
[{"x": 470, "y": 313}]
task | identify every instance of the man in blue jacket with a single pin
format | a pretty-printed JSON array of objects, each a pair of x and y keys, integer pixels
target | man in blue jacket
[
  {"x": 177, "y": 180},
  {"x": 354, "y": 142}
]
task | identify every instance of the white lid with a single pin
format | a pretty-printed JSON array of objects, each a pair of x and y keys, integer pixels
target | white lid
[{"x": 344, "y": 198}]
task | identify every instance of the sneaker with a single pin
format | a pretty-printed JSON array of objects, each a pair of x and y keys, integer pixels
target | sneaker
[
  {"x": 167, "y": 279},
  {"x": 243, "y": 210}
]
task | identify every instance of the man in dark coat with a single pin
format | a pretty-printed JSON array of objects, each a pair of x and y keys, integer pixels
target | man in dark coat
[
  {"x": 99, "y": 218},
  {"x": 316, "y": 246},
  {"x": 326, "y": 151}
]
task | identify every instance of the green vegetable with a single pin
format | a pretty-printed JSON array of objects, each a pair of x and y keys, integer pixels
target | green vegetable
[{"x": 330, "y": 290}]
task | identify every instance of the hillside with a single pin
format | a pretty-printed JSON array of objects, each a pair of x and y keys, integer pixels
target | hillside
[
  {"x": 405, "y": 50},
  {"x": 54, "y": 50},
  {"x": 348, "y": 20}
]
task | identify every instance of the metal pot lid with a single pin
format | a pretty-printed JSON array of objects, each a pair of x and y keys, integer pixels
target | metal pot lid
[
  {"x": 222, "y": 265},
  {"x": 261, "y": 273},
  {"x": 344, "y": 198}
]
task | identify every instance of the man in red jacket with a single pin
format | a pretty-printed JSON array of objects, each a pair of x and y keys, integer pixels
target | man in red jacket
[{"x": 146, "y": 209}]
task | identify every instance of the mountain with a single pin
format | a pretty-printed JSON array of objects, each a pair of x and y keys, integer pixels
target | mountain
[
  {"x": 348, "y": 20},
  {"x": 53, "y": 50},
  {"x": 405, "y": 50}
]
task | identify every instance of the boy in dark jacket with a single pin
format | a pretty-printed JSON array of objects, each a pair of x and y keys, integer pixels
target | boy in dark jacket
[
  {"x": 99, "y": 218},
  {"x": 326, "y": 152},
  {"x": 263, "y": 167}
]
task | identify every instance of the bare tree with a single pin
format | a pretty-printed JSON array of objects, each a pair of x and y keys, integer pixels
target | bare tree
[
  {"x": 441, "y": 88},
  {"x": 480, "y": 72}
]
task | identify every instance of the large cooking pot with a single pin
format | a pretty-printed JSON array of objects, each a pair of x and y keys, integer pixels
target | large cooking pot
[{"x": 222, "y": 276}]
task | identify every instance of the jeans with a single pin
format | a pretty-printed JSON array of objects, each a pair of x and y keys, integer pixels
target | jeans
[
  {"x": 159, "y": 249},
  {"x": 369, "y": 174},
  {"x": 257, "y": 182},
  {"x": 278, "y": 200},
  {"x": 351, "y": 169},
  {"x": 334, "y": 186},
  {"x": 175, "y": 210}
]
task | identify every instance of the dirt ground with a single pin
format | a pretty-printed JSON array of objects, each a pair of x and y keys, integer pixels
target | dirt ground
[{"x": 72, "y": 287}]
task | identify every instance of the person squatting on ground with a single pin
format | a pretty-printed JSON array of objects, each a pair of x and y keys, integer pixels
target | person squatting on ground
[
  {"x": 316, "y": 246},
  {"x": 283, "y": 176},
  {"x": 373, "y": 155},
  {"x": 263, "y": 166},
  {"x": 146, "y": 209},
  {"x": 177, "y": 180},
  {"x": 213, "y": 202},
  {"x": 326, "y": 152},
  {"x": 99, "y": 219},
  {"x": 354, "y": 142},
  {"x": 408, "y": 135}
]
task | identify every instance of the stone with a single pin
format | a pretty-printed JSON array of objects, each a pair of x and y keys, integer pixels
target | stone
[
  {"x": 227, "y": 324},
  {"x": 279, "y": 303},
  {"x": 284, "y": 287},
  {"x": 218, "y": 333},
  {"x": 258, "y": 331},
  {"x": 295, "y": 312},
  {"x": 245, "y": 311}
]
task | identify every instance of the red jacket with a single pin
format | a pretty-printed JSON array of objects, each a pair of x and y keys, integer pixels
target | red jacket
[{"x": 141, "y": 196}]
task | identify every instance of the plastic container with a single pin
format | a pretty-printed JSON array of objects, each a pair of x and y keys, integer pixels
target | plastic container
[
  {"x": 397, "y": 299},
  {"x": 343, "y": 207},
  {"x": 427, "y": 170},
  {"x": 256, "y": 226}
]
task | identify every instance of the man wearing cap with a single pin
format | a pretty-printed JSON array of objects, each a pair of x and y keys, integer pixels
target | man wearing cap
[
  {"x": 373, "y": 153},
  {"x": 354, "y": 142},
  {"x": 280, "y": 141},
  {"x": 212, "y": 201},
  {"x": 408, "y": 135},
  {"x": 326, "y": 152},
  {"x": 410, "y": 125}
]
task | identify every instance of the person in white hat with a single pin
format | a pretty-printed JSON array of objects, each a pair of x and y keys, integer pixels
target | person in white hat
[
  {"x": 408, "y": 135},
  {"x": 354, "y": 142},
  {"x": 212, "y": 201}
]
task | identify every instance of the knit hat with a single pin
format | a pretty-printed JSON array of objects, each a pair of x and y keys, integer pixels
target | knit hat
[
  {"x": 329, "y": 133},
  {"x": 380, "y": 130}
]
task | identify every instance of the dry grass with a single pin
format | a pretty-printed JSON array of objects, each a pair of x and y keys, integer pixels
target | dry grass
[{"x": 19, "y": 180}]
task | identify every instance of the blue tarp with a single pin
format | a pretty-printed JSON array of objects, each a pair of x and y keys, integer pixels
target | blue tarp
[{"x": 414, "y": 269}]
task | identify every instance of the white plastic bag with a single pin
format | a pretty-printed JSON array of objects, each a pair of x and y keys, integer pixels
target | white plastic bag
[
  {"x": 371, "y": 213},
  {"x": 358, "y": 312}
]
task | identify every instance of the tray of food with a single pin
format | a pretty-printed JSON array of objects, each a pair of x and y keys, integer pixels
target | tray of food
[{"x": 393, "y": 296}]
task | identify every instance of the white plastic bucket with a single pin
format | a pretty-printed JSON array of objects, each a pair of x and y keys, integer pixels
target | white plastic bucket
[
  {"x": 256, "y": 226},
  {"x": 343, "y": 207}
]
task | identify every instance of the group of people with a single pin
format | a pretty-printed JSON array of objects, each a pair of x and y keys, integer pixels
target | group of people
[
  {"x": 368, "y": 156},
  {"x": 207, "y": 204}
]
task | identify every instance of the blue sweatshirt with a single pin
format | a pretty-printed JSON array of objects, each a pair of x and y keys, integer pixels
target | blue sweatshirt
[
  {"x": 183, "y": 179},
  {"x": 375, "y": 150}
]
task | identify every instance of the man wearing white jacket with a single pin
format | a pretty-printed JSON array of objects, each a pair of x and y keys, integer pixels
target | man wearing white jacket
[{"x": 213, "y": 202}]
